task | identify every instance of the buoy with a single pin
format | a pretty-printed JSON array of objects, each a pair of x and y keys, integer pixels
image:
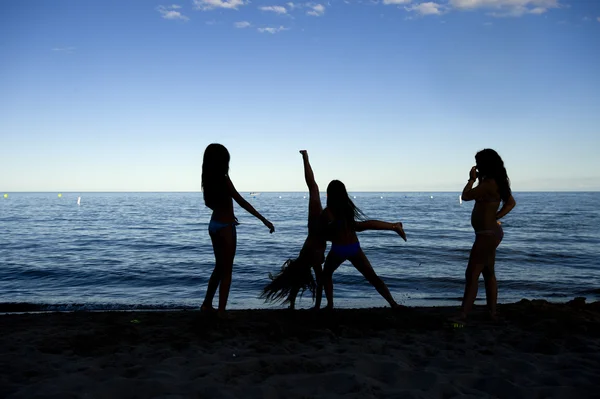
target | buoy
[{"x": 59, "y": 195}]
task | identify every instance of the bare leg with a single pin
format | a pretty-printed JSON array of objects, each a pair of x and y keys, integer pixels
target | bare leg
[
  {"x": 491, "y": 285},
  {"x": 398, "y": 228},
  {"x": 362, "y": 264},
  {"x": 224, "y": 245},
  {"x": 215, "y": 277},
  {"x": 314, "y": 203},
  {"x": 314, "y": 212},
  {"x": 229, "y": 245},
  {"x": 331, "y": 264},
  {"x": 477, "y": 261}
]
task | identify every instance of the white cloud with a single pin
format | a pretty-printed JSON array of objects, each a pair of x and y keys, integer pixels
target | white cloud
[
  {"x": 271, "y": 30},
  {"x": 429, "y": 8},
  {"x": 396, "y": 2},
  {"x": 507, "y": 8},
  {"x": 291, "y": 5},
  {"x": 66, "y": 50},
  {"x": 598, "y": 19},
  {"x": 168, "y": 12},
  {"x": 538, "y": 10},
  {"x": 317, "y": 10},
  {"x": 205, "y": 5},
  {"x": 275, "y": 9},
  {"x": 242, "y": 24}
]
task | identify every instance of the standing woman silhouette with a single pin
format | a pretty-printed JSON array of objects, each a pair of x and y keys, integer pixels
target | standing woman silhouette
[
  {"x": 492, "y": 190},
  {"x": 219, "y": 194}
]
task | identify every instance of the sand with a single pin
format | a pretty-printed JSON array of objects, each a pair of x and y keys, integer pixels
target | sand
[{"x": 536, "y": 350}]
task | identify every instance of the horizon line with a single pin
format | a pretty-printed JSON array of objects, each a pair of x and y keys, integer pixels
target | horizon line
[{"x": 295, "y": 191}]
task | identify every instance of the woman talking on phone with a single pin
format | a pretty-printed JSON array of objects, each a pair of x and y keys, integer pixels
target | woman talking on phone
[{"x": 492, "y": 190}]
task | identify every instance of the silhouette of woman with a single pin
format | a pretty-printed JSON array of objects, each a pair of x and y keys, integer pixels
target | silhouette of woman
[
  {"x": 295, "y": 276},
  {"x": 492, "y": 190}
]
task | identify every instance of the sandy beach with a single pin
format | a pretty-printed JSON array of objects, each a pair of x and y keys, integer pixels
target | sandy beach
[{"x": 536, "y": 350}]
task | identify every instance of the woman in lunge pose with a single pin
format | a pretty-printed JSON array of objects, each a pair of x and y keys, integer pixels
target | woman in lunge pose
[
  {"x": 343, "y": 221},
  {"x": 295, "y": 275}
]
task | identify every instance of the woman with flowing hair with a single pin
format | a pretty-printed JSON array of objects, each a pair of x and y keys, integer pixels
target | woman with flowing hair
[
  {"x": 295, "y": 276},
  {"x": 492, "y": 190},
  {"x": 219, "y": 194}
]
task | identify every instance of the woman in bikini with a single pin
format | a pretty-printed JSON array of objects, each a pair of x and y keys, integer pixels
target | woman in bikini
[
  {"x": 295, "y": 275},
  {"x": 492, "y": 190},
  {"x": 219, "y": 194},
  {"x": 342, "y": 225}
]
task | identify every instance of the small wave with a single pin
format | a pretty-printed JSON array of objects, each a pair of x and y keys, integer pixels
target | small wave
[
  {"x": 591, "y": 291},
  {"x": 19, "y": 307}
]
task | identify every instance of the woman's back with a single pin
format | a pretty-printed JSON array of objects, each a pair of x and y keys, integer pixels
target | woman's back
[{"x": 338, "y": 230}]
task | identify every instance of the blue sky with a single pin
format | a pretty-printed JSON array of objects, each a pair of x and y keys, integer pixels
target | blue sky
[{"x": 393, "y": 95}]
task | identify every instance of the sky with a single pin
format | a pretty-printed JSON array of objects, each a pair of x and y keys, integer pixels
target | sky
[{"x": 392, "y": 95}]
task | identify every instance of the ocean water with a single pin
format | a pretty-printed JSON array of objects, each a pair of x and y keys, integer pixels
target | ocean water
[{"x": 152, "y": 250}]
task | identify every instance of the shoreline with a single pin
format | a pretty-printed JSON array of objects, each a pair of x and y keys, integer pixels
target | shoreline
[
  {"x": 8, "y": 308},
  {"x": 537, "y": 349}
]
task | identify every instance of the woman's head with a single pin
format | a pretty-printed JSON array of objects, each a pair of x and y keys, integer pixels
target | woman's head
[
  {"x": 215, "y": 167},
  {"x": 340, "y": 204},
  {"x": 216, "y": 159},
  {"x": 490, "y": 165}
]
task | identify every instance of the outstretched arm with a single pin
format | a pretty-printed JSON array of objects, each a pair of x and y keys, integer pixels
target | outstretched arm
[
  {"x": 507, "y": 206},
  {"x": 246, "y": 206},
  {"x": 319, "y": 277},
  {"x": 380, "y": 225}
]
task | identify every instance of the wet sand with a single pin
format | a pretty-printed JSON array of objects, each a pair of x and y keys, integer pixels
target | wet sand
[{"x": 536, "y": 350}]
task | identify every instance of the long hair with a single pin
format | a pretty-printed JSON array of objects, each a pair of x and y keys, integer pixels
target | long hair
[
  {"x": 215, "y": 167},
  {"x": 340, "y": 204},
  {"x": 490, "y": 165},
  {"x": 293, "y": 275}
]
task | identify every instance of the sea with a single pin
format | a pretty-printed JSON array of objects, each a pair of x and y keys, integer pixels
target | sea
[{"x": 125, "y": 251}]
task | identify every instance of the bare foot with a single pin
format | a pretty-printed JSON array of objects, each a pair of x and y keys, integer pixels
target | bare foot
[
  {"x": 398, "y": 229},
  {"x": 207, "y": 309}
]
